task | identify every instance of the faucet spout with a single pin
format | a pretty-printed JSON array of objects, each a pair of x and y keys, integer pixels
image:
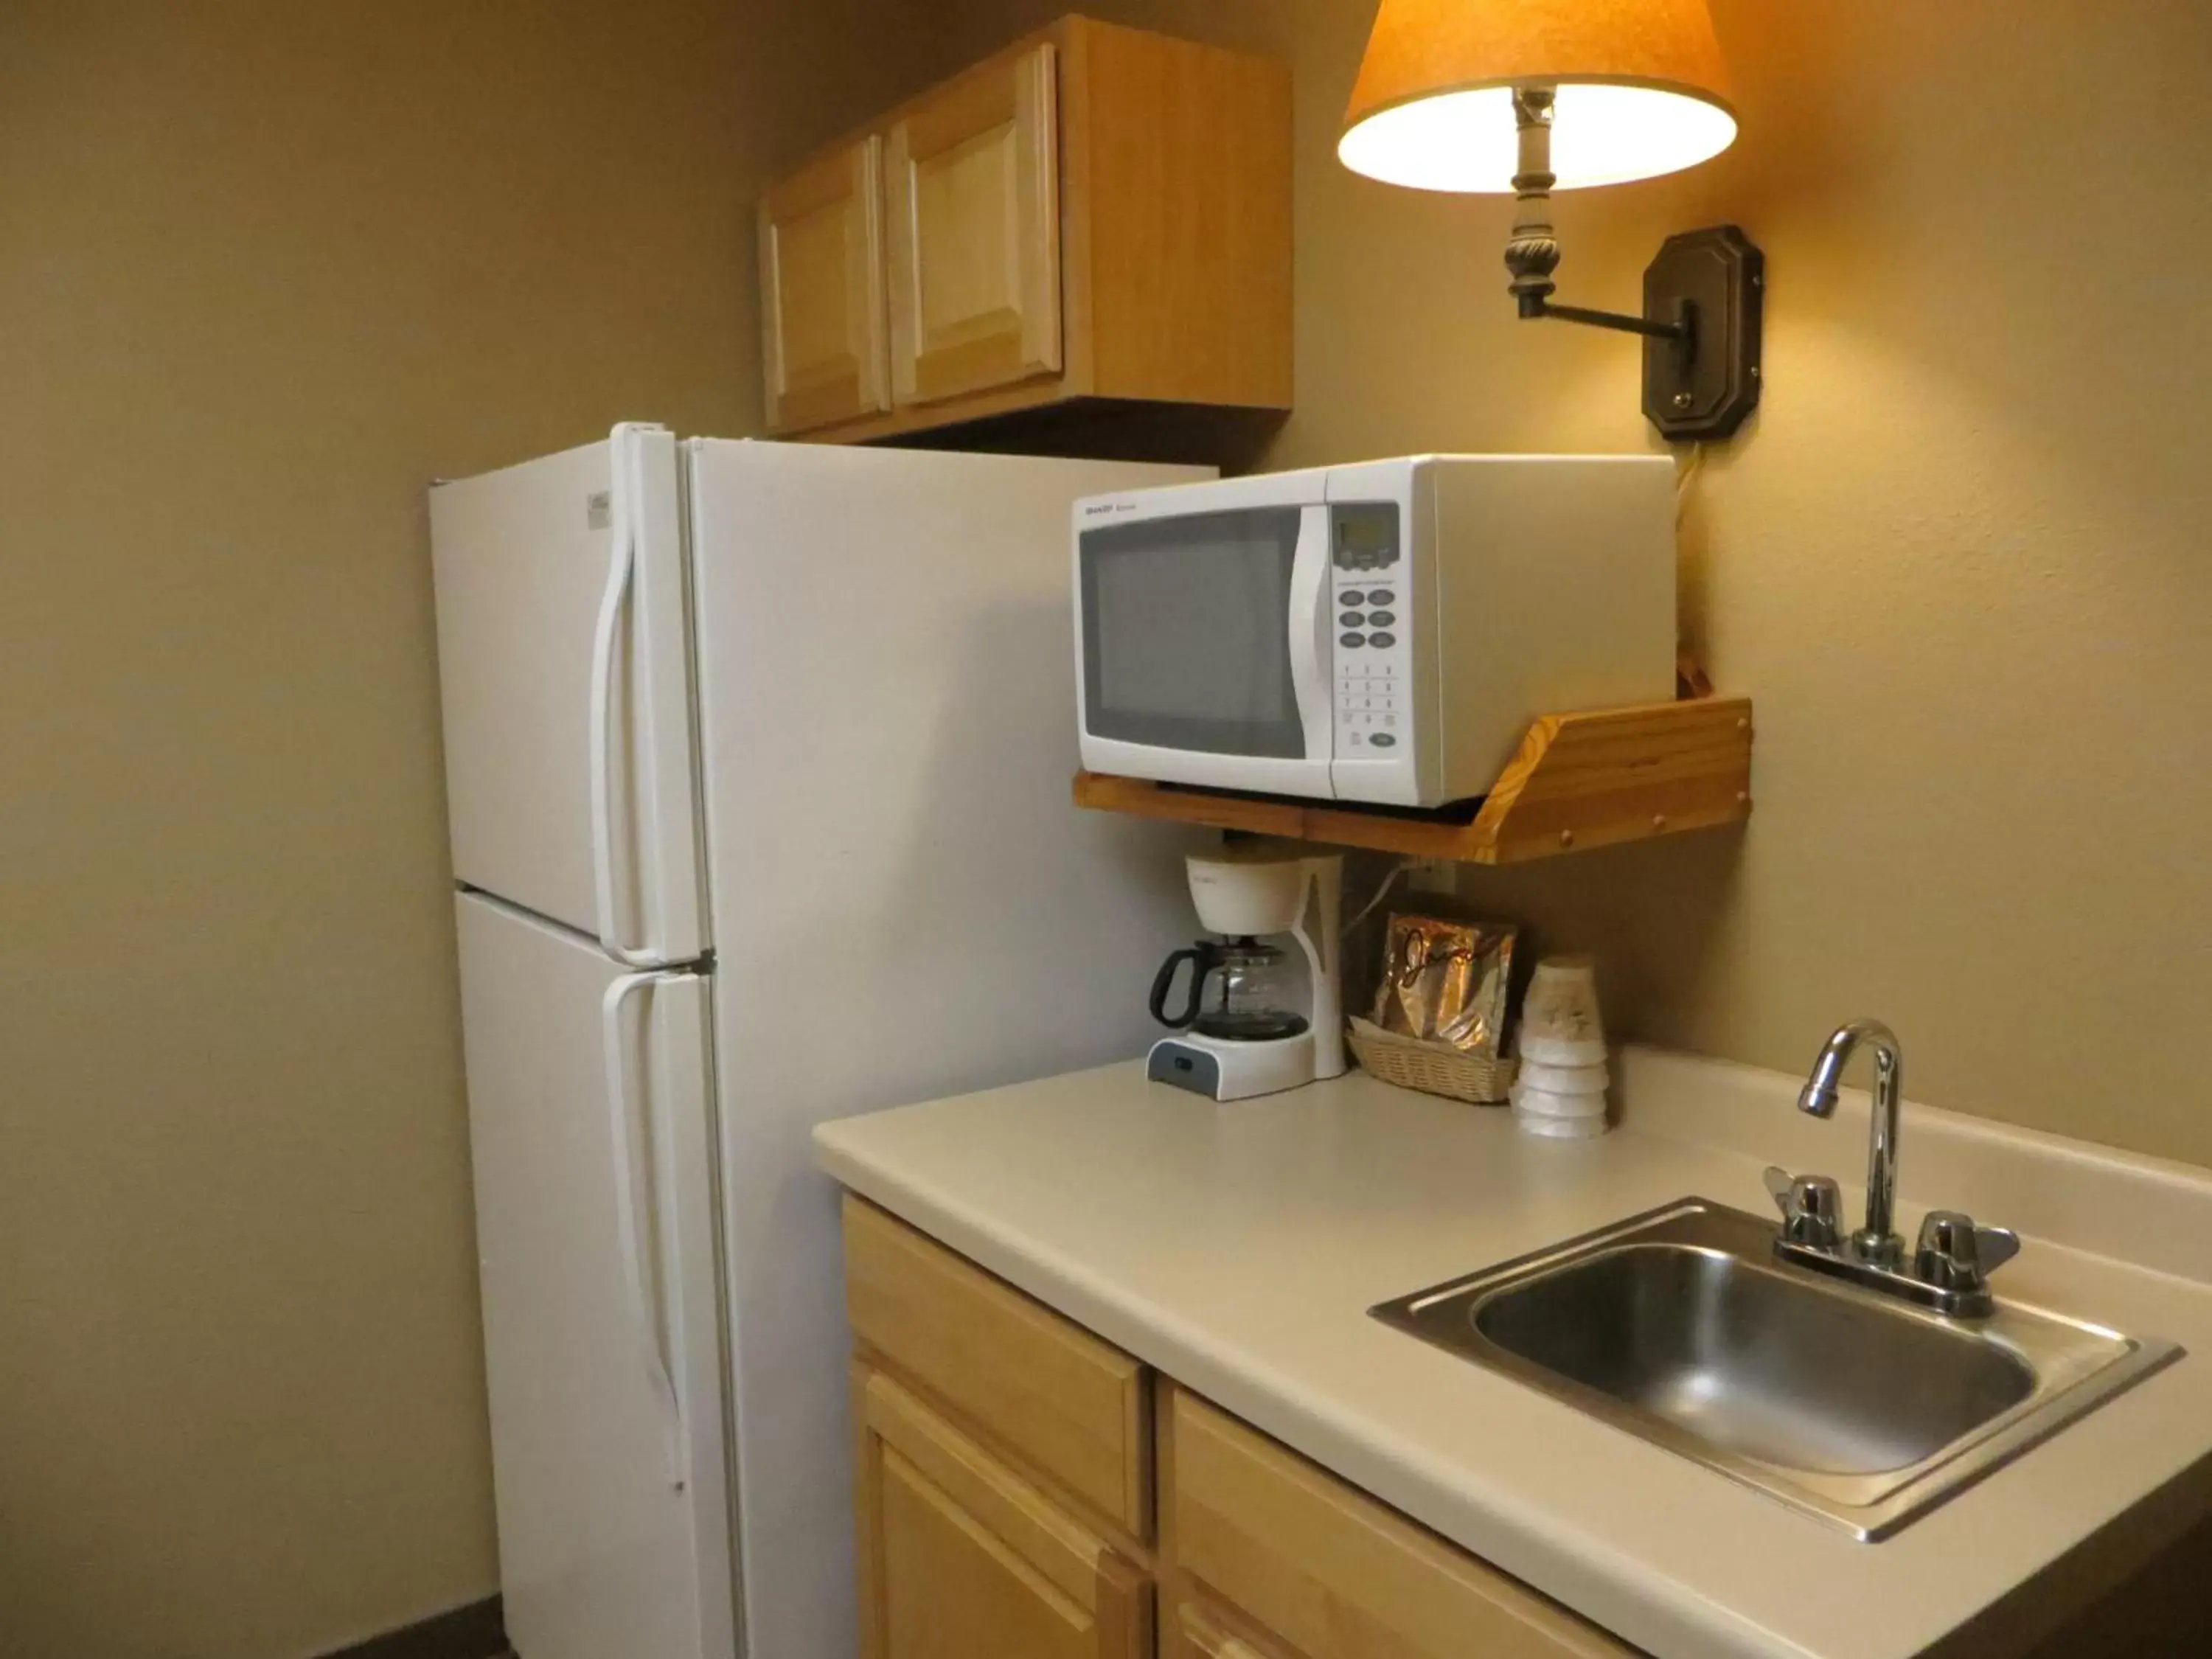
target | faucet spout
[
  {"x": 1817, "y": 1096},
  {"x": 1877, "y": 1240}
]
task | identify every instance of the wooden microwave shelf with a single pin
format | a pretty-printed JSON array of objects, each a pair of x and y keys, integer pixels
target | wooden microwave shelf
[{"x": 1584, "y": 780}]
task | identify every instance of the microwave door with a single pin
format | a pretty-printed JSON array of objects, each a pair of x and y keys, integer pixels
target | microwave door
[{"x": 1206, "y": 649}]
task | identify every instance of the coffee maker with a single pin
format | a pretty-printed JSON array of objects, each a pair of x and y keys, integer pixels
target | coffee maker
[{"x": 1246, "y": 1026}]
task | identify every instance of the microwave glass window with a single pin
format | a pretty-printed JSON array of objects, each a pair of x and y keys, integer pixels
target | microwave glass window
[{"x": 1186, "y": 633}]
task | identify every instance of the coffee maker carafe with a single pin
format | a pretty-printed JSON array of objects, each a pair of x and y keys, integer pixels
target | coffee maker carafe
[{"x": 1246, "y": 1024}]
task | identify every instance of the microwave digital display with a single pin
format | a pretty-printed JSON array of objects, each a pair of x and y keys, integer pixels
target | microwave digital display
[{"x": 1366, "y": 536}]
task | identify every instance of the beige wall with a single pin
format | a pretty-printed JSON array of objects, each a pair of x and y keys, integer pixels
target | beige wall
[
  {"x": 1960, "y": 558},
  {"x": 266, "y": 269}
]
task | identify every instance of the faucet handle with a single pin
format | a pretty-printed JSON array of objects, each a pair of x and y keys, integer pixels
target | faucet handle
[
  {"x": 1954, "y": 1254},
  {"x": 1812, "y": 1207}
]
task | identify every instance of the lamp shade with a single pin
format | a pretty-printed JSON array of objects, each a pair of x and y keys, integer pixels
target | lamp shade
[{"x": 1640, "y": 90}]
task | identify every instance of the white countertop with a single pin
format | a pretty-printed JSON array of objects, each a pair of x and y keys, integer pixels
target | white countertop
[{"x": 1237, "y": 1247}]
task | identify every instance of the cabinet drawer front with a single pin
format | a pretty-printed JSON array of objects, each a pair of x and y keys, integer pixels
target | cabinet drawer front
[
  {"x": 974, "y": 193},
  {"x": 1048, "y": 1390},
  {"x": 1333, "y": 1571}
]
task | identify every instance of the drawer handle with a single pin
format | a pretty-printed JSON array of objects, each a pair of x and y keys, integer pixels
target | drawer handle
[{"x": 1210, "y": 1639}]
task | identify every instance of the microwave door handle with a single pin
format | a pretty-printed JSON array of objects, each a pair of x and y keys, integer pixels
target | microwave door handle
[{"x": 1310, "y": 638}]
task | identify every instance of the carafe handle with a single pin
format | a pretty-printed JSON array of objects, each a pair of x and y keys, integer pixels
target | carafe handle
[{"x": 1204, "y": 958}]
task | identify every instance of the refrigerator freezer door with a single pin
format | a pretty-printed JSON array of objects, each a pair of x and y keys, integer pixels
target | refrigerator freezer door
[
  {"x": 601, "y": 1305},
  {"x": 563, "y": 650},
  {"x": 907, "y": 902}
]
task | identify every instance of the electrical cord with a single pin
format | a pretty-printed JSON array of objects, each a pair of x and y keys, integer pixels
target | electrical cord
[
  {"x": 1381, "y": 892},
  {"x": 1689, "y": 470}
]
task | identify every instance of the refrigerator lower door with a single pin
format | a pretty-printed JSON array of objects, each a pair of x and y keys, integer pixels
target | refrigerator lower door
[
  {"x": 591, "y": 1132},
  {"x": 564, "y": 664}
]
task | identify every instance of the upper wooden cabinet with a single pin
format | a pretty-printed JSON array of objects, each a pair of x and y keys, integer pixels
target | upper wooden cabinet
[
  {"x": 822, "y": 290},
  {"x": 1096, "y": 213}
]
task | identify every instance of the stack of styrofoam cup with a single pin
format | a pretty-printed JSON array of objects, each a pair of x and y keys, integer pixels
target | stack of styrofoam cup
[{"x": 1560, "y": 1093}]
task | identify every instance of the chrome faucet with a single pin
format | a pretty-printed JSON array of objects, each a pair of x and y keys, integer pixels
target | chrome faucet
[
  {"x": 1877, "y": 1240},
  {"x": 1950, "y": 1267}
]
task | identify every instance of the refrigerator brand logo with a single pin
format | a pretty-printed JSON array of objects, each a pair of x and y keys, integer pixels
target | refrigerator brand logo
[
  {"x": 599, "y": 510},
  {"x": 1103, "y": 507}
]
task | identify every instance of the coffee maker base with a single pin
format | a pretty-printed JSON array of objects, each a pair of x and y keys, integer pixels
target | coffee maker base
[{"x": 1224, "y": 1070}]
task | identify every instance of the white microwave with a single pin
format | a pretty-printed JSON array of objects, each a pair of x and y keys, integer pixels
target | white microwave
[{"x": 1382, "y": 632}]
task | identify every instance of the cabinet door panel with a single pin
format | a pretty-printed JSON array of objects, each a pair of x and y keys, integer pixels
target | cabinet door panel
[
  {"x": 961, "y": 1557},
  {"x": 974, "y": 236},
  {"x": 822, "y": 291}
]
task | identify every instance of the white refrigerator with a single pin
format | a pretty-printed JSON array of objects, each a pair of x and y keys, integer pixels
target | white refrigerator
[{"x": 757, "y": 764}]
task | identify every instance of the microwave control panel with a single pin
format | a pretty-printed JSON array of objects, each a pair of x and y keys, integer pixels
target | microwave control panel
[{"x": 1374, "y": 652}]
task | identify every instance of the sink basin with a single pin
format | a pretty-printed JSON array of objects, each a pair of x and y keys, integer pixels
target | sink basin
[
  {"x": 1681, "y": 1327},
  {"x": 1755, "y": 1362}
]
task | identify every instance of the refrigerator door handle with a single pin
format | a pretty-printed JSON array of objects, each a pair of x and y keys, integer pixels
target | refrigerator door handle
[
  {"x": 614, "y": 605},
  {"x": 631, "y": 1203}
]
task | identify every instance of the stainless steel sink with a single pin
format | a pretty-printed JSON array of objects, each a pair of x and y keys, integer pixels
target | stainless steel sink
[{"x": 1681, "y": 1327}]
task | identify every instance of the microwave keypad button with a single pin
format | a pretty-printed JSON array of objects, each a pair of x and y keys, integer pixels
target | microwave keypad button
[
  {"x": 1352, "y": 641},
  {"x": 1381, "y": 740},
  {"x": 1380, "y": 596},
  {"x": 1353, "y": 619},
  {"x": 1382, "y": 619},
  {"x": 1381, "y": 641},
  {"x": 1352, "y": 596}
]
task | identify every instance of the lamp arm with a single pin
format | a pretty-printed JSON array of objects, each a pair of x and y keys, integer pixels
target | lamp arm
[
  {"x": 1532, "y": 253},
  {"x": 1682, "y": 332}
]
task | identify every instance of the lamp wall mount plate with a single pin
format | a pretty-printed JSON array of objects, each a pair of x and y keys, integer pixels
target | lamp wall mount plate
[{"x": 1715, "y": 280}]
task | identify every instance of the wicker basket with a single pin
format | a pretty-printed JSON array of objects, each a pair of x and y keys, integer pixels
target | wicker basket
[{"x": 1434, "y": 1070}]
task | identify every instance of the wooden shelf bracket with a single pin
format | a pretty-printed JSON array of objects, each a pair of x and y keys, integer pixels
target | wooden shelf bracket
[{"x": 1590, "y": 779}]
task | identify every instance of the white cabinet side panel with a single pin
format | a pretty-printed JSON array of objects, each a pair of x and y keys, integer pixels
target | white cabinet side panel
[{"x": 907, "y": 904}]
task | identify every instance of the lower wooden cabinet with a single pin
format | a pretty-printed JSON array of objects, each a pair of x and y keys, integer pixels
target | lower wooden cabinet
[
  {"x": 962, "y": 1558},
  {"x": 1027, "y": 1491}
]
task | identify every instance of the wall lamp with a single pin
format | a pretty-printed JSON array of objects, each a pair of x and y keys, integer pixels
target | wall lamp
[{"x": 1530, "y": 96}]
